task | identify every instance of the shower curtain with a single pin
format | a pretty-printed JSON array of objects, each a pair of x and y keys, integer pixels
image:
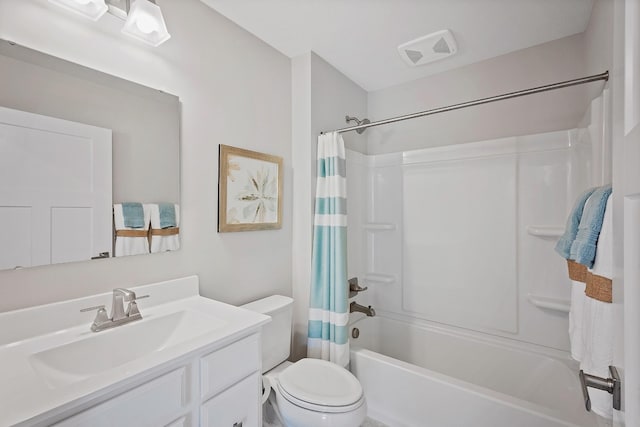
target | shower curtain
[{"x": 329, "y": 308}]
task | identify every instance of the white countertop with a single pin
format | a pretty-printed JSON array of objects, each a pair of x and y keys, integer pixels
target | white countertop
[{"x": 25, "y": 396}]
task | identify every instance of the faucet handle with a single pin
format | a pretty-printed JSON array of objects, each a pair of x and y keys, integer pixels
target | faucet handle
[
  {"x": 101, "y": 316},
  {"x": 132, "y": 310},
  {"x": 95, "y": 307},
  {"x": 355, "y": 288}
]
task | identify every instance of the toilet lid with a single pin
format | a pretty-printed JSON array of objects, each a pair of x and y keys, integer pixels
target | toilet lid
[{"x": 320, "y": 382}]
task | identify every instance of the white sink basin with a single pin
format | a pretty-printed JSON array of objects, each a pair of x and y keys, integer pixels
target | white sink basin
[
  {"x": 50, "y": 361},
  {"x": 101, "y": 351}
]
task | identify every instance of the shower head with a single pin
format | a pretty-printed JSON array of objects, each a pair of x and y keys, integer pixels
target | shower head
[{"x": 358, "y": 121}]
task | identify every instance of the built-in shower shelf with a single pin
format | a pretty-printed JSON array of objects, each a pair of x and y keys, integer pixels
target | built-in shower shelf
[
  {"x": 379, "y": 226},
  {"x": 545, "y": 231},
  {"x": 550, "y": 303},
  {"x": 379, "y": 278}
]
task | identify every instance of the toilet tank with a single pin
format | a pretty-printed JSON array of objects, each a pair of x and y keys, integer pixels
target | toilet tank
[{"x": 276, "y": 335}]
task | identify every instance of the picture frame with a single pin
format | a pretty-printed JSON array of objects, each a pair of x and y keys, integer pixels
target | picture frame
[{"x": 250, "y": 187}]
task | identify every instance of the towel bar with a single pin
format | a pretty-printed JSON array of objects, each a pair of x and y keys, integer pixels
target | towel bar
[
  {"x": 610, "y": 385},
  {"x": 545, "y": 231},
  {"x": 379, "y": 226}
]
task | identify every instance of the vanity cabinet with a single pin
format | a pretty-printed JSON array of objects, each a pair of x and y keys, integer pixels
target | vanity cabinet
[
  {"x": 234, "y": 407},
  {"x": 216, "y": 387}
]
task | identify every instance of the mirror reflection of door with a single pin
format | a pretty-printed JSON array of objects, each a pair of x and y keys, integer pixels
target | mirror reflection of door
[{"x": 55, "y": 190}]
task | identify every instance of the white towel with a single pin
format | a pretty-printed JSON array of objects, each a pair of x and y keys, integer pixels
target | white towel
[
  {"x": 576, "y": 314},
  {"x": 597, "y": 326},
  {"x": 163, "y": 243},
  {"x": 130, "y": 245},
  {"x": 576, "y": 318}
]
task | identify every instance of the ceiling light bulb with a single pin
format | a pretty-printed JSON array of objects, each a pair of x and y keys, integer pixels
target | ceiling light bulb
[
  {"x": 92, "y": 9},
  {"x": 146, "y": 23}
]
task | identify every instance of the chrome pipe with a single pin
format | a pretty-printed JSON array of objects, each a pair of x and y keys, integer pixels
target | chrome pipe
[{"x": 553, "y": 86}]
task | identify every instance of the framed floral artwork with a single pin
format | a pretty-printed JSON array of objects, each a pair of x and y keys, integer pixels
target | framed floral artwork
[{"x": 249, "y": 190}]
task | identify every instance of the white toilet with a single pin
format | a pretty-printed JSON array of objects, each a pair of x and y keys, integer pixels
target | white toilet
[{"x": 310, "y": 392}]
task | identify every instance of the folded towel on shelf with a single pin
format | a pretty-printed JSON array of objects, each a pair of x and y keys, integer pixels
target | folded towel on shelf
[
  {"x": 133, "y": 215},
  {"x": 583, "y": 248},
  {"x": 167, "y": 215},
  {"x": 164, "y": 239},
  {"x": 597, "y": 325},
  {"x": 563, "y": 247},
  {"x": 131, "y": 240}
]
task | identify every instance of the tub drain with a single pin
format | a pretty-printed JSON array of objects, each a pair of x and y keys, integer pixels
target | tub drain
[{"x": 355, "y": 332}]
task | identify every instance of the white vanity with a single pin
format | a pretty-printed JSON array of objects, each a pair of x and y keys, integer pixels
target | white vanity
[{"x": 190, "y": 361}]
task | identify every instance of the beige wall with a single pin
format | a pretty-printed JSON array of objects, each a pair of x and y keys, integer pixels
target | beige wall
[
  {"x": 233, "y": 88},
  {"x": 551, "y": 62},
  {"x": 322, "y": 96},
  {"x": 144, "y": 121},
  {"x": 599, "y": 38}
]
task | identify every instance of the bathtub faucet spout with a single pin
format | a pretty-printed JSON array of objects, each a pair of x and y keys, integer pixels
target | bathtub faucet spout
[{"x": 355, "y": 307}]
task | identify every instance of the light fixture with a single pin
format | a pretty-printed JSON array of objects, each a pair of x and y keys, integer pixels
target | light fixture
[
  {"x": 143, "y": 18},
  {"x": 92, "y": 9},
  {"x": 145, "y": 23}
]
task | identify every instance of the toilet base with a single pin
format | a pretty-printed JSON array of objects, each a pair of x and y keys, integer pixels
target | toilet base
[
  {"x": 293, "y": 416},
  {"x": 270, "y": 416},
  {"x": 279, "y": 412}
]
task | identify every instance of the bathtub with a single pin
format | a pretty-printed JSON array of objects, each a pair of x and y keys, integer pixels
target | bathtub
[{"x": 430, "y": 376}]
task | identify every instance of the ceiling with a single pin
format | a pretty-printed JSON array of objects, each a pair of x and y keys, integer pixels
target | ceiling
[{"x": 360, "y": 37}]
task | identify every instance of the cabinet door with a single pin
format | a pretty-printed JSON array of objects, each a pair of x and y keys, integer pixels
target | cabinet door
[
  {"x": 153, "y": 404},
  {"x": 238, "y": 406},
  {"x": 225, "y": 367}
]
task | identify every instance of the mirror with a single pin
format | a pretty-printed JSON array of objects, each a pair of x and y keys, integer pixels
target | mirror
[{"x": 106, "y": 138}]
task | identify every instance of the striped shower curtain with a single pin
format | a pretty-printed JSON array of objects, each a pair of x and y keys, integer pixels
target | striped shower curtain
[{"x": 329, "y": 308}]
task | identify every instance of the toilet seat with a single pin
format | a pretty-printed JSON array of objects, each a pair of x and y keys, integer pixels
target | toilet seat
[
  {"x": 321, "y": 386},
  {"x": 319, "y": 408}
]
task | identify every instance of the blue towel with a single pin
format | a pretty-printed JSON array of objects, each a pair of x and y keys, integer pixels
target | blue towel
[
  {"x": 583, "y": 249},
  {"x": 133, "y": 215},
  {"x": 167, "y": 213},
  {"x": 563, "y": 247}
]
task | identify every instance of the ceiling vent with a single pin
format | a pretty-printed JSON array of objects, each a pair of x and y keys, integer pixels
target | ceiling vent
[{"x": 429, "y": 48}]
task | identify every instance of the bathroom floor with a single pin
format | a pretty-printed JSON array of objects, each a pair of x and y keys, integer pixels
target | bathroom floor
[{"x": 370, "y": 422}]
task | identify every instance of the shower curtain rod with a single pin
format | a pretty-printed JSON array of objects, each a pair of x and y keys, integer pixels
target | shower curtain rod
[{"x": 596, "y": 77}]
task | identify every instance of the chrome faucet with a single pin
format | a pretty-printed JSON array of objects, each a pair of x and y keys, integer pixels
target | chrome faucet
[
  {"x": 119, "y": 315},
  {"x": 120, "y": 296},
  {"x": 355, "y": 307}
]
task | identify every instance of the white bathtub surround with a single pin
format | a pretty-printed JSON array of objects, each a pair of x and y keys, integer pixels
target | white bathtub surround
[
  {"x": 126, "y": 242},
  {"x": 472, "y": 300},
  {"x": 456, "y": 246},
  {"x": 418, "y": 374},
  {"x": 329, "y": 307},
  {"x": 177, "y": 363}
]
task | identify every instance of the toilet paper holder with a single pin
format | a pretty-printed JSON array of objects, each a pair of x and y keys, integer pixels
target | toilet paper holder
[{"x": 610, "y": 385}]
